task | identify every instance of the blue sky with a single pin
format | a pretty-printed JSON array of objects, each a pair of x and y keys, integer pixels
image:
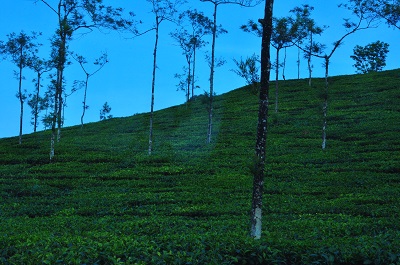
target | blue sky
[{"x": 125, "y": 82}]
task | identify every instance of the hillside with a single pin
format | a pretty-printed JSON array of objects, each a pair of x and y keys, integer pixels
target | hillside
[{"x": 105, "y": 201}]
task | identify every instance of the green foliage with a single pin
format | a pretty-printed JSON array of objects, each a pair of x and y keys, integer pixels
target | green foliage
[
  {"x": 105, "y": 112},
  {"x": 103, "y": 200},
  {"x": 249, "y": 70},
  {"x": 371, "y": 58}
]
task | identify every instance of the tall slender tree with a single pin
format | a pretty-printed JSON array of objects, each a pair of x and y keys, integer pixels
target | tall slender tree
[
  {"x": 73, "y": 16},
  {"x": 36, "y": 102},
  {"x": 184, "y": 40},
  {"x": 216, "y": 3},
  {"x": 163, "y": 10},
  {"x": 99, "y": 62},
  {"x": 19, "y": 49},
  {"x": 307, "y": 28},
  {"x": 194, "y": 26},
  {"x": 282, "y": 38},
  {"x": 259, "y": 167},
  {"x": 200, "y": 26},
  {"x": 363, "y": 21},
  {"x": 283, "y": 35}
]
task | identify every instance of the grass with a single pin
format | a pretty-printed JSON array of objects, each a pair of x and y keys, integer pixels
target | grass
[{"x": 103, "y": 200}]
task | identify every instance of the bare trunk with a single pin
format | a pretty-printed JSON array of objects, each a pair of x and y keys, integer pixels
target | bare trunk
[
  {"x": 58, "y": 100},
  {"x": 325, "y": 105},
  {"x": 52, "y": 144},
  {"x": 84, "y": 99},
  {"x": 298, "y": 63},
  {"x": 210, "y": 108},
  {"x": 276, "y": 80},
  {"x": 259, "y": 169},
  {"x": 193, "y": 70},
  {"x": 21, "y": 101},
  {"x": 309, "y": 62},
  {"x": 284, "y": 66},
  {"x": 36, "y": 110},
  {"x": 54, "y": 121},
  {"x": 59, "y": 114},
  {"x": 152, "y": 89},
  {"x": 188, "y": 81}
]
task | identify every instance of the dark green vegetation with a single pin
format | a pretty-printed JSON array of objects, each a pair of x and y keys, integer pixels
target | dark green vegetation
[{"x": 104, "y": 201}]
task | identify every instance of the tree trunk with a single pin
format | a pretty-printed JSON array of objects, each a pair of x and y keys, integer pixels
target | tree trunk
[
  {"x": 84, "y": 99},
  {"x": 276, "y": 80},
  {"x": 188, "y": 79},
  {"x": 194, "y": 67},
  {"x": 58, "y": 101},
  {"x": 298, "y": 62},
  {"x": 259, "y": 168},
  {"x": 54, "y": 121},
  {"x": 325, "y": 105},
  {"x": 284, "y": 66},
  {"x": 21, "y": 101},
  {"x": 152, "y": 89},
  {"x": 210, "y": 108},
  {"x": 59, "y": 114},
  {"x": 36, "y": 110},
  {"x": 309, "y": 62}
]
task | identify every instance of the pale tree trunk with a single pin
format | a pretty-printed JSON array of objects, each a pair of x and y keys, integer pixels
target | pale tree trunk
[
  {"x": 36, "y": 110},
  {"x": 210, "y": 108},
  {"x": 259, "y": 168},
  {"x": 193, "y": 70},
  {"x": 309, "y": 62},
  {"x": 59, "y": 87},
  {"x": 325, "y": 104},
  {"x": 84, "y": 99},
  {"x": 21, "y": 101},
  {"x": 59, "y": 113},
  {"x": 298, "y": 62},
  {"x": 284, "y": 66},
  {"x": 153, "y": 83},
  {"x": 58, "y": 102},
  {"x": 276, "y": 80},
  {"x": 188, "y": 80},
  {"x": 54, "y": 121}
]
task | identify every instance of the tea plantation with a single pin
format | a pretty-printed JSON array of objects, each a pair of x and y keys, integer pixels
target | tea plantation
[{"x": 103, "y": 200}]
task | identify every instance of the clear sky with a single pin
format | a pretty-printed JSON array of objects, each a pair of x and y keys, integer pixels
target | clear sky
[{"x": 125, "y": 82}]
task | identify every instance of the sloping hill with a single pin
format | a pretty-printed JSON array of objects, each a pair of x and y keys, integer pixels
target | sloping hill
[{"x": 103, "y": 200}]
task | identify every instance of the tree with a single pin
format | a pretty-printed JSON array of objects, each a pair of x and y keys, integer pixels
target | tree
[
  {"x": 201, "y": 26},
  {"x": 248, "y": 70},
  {"x": 105, "y": 112},
  {"x": 259, "y": 166},
  {"x": 283, "y": 35},
  {"x": 19, "y": 49},
  {"x": 100, "y": 62},
  {"x": 72, "y": 16},
  {"x": 163, "y": 10},
  {"x": 307, "y": 28},
  {"x": 388, "y": 10},
  {"x": 185, "y": 42},
  {"x": 216, "y": 3},
  {"x": 36, "y": 102},
  {"x": 363, "y": 22},
  {"x": 371, "y": 58},
  {"x": 194, "y": 26}
]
